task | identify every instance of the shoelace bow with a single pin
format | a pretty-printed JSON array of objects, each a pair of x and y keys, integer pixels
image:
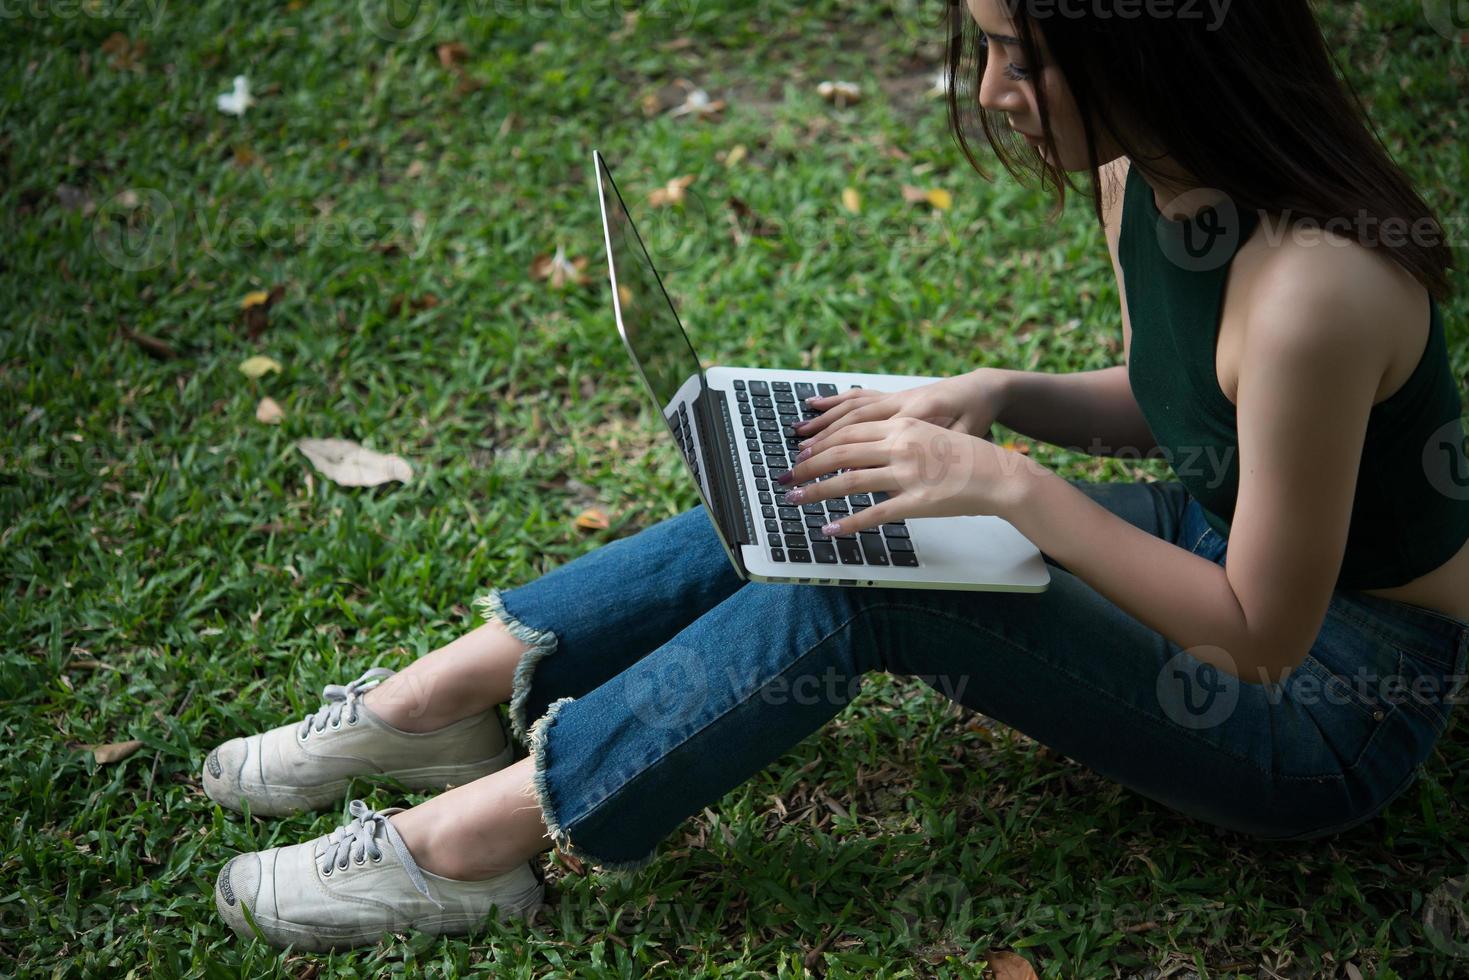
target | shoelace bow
[
  {"x": 360, "y": 840},
  {"x": 340, "y": 698}
]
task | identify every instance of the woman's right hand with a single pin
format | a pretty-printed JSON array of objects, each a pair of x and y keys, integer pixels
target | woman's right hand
[{"x": 969, "y": 403}]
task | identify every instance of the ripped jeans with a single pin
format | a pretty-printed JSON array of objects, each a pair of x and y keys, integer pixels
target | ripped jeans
[{"x": 656, "y": 681}]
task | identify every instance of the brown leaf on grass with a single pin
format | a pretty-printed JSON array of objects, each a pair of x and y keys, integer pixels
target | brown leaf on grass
[
  {"x": 452, "y": 54},
  {"x": 151, "y": 345},
  {"x": 124, "y": 54},
  {"x": 748, "y": 221},
  {"x": 593, "y": 519},
  {"x": 558, "y": 270},
  {"x": 255, "y": 309},
  {"x": 115, "y": 751},
  {"x": 671, "y": 192},
  {"x": 840, "y": 94},
  {"x": 350, "y": 464},
  {"x": 416, "y": 304},
  {"x": 1009, "y": 966},
  {"x": 851, "y": 200}
]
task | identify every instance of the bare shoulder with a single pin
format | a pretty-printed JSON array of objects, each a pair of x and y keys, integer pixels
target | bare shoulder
[
  {"x": 1313, "y": 287},
  {"x": 1112, "y": 181}
]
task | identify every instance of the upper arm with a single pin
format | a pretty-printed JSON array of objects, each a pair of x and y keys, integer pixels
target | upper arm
[
  {"x": 1113, "y": 180},
  {"x": 1313, "y": 355}
]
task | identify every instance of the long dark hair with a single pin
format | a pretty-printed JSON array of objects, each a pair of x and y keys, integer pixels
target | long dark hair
[{"x": 1250, "y": 103}]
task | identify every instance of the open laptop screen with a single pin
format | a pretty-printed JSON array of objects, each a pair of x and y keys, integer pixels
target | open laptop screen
[{"x": 647, "y": 316}]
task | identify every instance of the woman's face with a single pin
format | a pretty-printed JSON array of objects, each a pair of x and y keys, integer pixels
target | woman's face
[{"x": 1009, "y": 87}]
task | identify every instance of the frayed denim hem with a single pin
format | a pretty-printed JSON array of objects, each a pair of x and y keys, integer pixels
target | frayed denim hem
[
  {"x": 554, "y": 829},
  {"x": 542, "y": 643}
]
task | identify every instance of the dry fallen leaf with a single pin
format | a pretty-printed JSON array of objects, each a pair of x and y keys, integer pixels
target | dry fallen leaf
[
  {"x": 735, "y": 155},
  {"x": 115, "y": 751},
  {"x": 840, "y": 94},
  {"x": 259, "y": 366},
  {"x": 257, "y": 297},
  {"x": 697, "y": 103},
  {"x": 1009, "y": 966},
  {"x": 452, "y": 54},
  {"x": 255, "y": 309},
  {"x": 592, "y": 519},
  {"x": 559, "y": 270},
  {"x": 350, "y": 464},
  {"x": 671, "y": 192},
  {"x": 269, "y": 411},
  {"x": 937, "y": 196},
  {"x": 851, "y": 200}
]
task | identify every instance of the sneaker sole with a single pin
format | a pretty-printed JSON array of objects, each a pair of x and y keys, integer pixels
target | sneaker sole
[{"x": 286, "y": 800}]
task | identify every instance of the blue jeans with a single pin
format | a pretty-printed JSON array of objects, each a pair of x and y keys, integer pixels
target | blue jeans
[{"x": 656, "y": 681}]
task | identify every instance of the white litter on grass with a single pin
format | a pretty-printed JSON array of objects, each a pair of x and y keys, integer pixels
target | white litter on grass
[{"x": 235, "y": 102}]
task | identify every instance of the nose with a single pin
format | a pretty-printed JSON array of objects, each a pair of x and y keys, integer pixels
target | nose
[{"x": 998, "y": 93}]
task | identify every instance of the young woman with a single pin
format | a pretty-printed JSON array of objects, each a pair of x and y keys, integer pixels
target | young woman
[{"x": 1267, "y": 644}]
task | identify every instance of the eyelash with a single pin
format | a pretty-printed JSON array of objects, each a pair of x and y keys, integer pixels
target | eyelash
[{"x": 1012, "y": 71}]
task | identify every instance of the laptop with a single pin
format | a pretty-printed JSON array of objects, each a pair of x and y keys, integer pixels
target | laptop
[{"x": 732, "y": 427}]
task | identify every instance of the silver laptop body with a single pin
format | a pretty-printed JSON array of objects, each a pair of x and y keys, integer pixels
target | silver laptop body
[{"x": 731, "y": 427}]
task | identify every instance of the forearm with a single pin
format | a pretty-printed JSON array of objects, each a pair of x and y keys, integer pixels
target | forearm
[
  {"x": 1186, "y": 598},
  {"x": 1091, "y": 412}
]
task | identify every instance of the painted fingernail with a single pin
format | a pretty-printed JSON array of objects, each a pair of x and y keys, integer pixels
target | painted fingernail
[
  {"x": 794, "y": 496},
  {"x": 831, "y": 530},
  {"x": 803, "y": 455},
  {"x": 785, "y": 477}
]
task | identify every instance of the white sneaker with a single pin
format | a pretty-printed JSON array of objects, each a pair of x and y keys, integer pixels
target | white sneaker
[
  {"x": 307, "y": 766},
  {"x": 355, "y": 884}
]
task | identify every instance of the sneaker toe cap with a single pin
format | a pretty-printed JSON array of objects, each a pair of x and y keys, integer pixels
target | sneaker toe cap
[
  {"x": 221, "y": 774},
  {"x": 238, "y": 885}
]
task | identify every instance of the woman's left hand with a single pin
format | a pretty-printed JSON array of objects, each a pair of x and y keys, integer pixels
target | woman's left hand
[{"x": 925, "y": 470}]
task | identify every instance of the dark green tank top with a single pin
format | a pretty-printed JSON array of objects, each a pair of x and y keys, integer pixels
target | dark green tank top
[{"x": 1411, "y": 510}]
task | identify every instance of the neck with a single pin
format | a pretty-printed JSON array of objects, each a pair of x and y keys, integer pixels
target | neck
[{"x": 1180, "y": 197}]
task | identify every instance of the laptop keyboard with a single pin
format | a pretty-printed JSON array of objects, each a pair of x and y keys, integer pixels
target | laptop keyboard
[{"x": 767, "y": 411}]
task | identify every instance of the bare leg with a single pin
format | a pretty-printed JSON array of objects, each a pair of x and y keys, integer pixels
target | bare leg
[
  {"x": 469, "y": 675},
  {"x": 478, "y": 830}
]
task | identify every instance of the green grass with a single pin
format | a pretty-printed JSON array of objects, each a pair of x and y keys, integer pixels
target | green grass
[{"x": 176, "y": 575}]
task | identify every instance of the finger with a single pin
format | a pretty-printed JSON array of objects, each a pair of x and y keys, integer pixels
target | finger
[
  {"x": 821, "y": 421},
  {"x": 891, "y": 509},
  {"x": 843, "y": 457},
  {"x": 865, "y": 412},
  {"x": 842, "y": 485},
  {"x": 824, "y": 402}
]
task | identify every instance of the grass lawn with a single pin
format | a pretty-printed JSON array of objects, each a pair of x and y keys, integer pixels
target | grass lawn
[{"x": 176, "y": 573}]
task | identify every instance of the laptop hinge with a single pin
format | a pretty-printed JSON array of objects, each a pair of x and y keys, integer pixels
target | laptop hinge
[{"x": 722, "y": 467}]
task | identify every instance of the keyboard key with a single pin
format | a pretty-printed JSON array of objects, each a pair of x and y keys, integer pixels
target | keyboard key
[
  {"x": 797, "y": 541},
  {"x": 742, "y": 397},
  {"x": 758, "y": 470},
  {"x": 893, "y": 531},
  {"x": 815, "y": 520},
  {"x": 801, "y": 556},
  {"x": 759, "y": 388},
  {"x": 825, "y": 390},
  {"x": 777, "y": 554},
  {"x": 837, "y": 506},
  {"x": 765, "y": 413},
  {"x": 896, "y": 545},
  {"x": 772, "y": 527},
  {"x": 766, "y": 425},
  {"x": 816, "y": 508},
  {"x": 789, "y": 513},
  {"x": 860, "y": 498},
  {"x": 765, "y": 497},
  {"x": 878, "y": 496},
  {"x": 825, "y": 553},
  {"x": 792, "y": 527},
  {"x": 872, "y": 550},
  {"x": 739, "y": 386},
  {"x": 850, "y": 551},
  {"x": 780, "y": 386},
  {"x": 805, "y": 390},
  {"x": 905, "y": 558},
  {"x": 753, "y": 445},
  {"x": 751, "y": 432},
  {"x": 767, "y": 511},
  {"x": 785, "y": 398},
  {"x": 762, "y": 484},
  {"x": 814, "y": 533}
]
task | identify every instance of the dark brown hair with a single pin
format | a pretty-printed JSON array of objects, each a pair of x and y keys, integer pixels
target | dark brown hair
[{"x": 1250, "y": 103}]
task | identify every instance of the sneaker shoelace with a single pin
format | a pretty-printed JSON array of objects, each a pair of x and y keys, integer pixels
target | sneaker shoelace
[
  {"x": 361, "y": 839},
  {"x": 342, "y": 698}
]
